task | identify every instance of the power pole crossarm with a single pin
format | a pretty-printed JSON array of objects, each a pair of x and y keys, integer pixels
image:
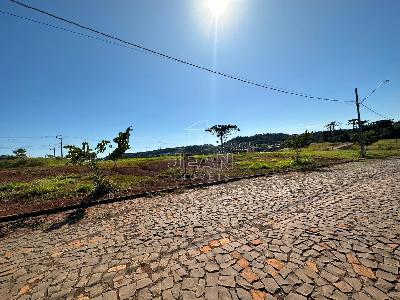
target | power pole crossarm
[{"x": 353, "y": 122}]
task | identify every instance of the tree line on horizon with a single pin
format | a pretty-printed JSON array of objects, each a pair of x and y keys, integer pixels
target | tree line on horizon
[{"x": 381, "y": 129}]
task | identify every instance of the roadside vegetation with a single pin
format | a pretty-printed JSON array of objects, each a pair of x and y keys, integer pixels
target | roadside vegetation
[{"x": 24, "y": 184}]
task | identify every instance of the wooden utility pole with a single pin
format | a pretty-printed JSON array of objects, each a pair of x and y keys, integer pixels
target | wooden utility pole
[
  {"x": 61, "y": 144},
  {"x": 353, "y": 122},
  {"x": 360, "y": 126},
  {"x": 332, "y": 125},
  {"x": 53, "y": 148},
  {"x": 329, "y": 127}
]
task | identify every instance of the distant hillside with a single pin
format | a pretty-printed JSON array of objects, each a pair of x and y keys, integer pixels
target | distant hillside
[
  {"x": 276, "y": 141},
  {"x": 264, "y": 138},
  {"x": 191, "y": 150},
  {"x": 258, "y": 142}
]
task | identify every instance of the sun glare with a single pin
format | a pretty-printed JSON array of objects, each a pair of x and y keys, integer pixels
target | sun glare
[{"x": 217, "y": 7}]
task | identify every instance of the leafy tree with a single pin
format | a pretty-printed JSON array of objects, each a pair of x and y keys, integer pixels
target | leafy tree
[
  {"x": 122, "y": 141},
  {"x": 20, "y": 152},
  {"x": 298, "y": 141},
  {"x": 85, "y": 156},
  {"x": 368, "y": 137},
  {"x": 396, "y": 130},
  {"x": 222, "y": 132}
]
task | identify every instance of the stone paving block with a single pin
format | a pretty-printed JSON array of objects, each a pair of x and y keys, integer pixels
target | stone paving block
[
  {"x": 264, "y": 238},
  {"x": 354, "y": 282},
  {"x": 212, "y": 279},
  {"x": 386, "y": 276},
  {"x": 305, "y": 289},
  {"x": 190, "y": 283},
  {"x": 211, "y": 293},
  {"x": 243, "y": 294},
  {"x": 127, "y": 291},
  {"x": 143, "y": 283},
  {"x": 295, "y": 296},
  {"x": 228, "y": 281},
  {"x": 376, "y": 293}
]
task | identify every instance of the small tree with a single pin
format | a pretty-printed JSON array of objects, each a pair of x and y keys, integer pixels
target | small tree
[
  {"x": 20, "y": 152},
  {"x": 122, "y": 141},
  {"x": 396, "y": 130},
  {"x": 368, "y": 137},
  {"x": 85, "y": 156},
  {"x": 222, "y": 132},
  {"x": 88, "y": 157},
  {"x": 298, "y": 141}
]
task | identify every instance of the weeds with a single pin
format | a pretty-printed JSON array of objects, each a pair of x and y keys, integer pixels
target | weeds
[{"x": 83, "y": 185}]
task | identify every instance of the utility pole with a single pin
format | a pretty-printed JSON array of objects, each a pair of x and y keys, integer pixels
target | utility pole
[
  {"x": 360, "y": 126},
  {"x": 329, "y": 127},
  {"x": 53, "y": 148},
  {"x": 61, "y": 144},
  {"x": 353, "y": 122},
  {"x": 332, "y": 125}
]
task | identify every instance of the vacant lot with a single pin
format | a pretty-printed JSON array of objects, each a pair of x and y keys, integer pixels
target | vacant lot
[
  {"x": 32, "y": 184},
  {"x": 332, "y": 233}
]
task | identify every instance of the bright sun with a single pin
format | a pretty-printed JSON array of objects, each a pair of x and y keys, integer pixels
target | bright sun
[{"x": 217, "y": 7}]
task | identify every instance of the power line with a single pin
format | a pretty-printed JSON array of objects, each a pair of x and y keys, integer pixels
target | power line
[
  {"x": 68, "y": 30},
  {"x": 129, "y": 48},
  {"x": 174, "y": 59},
  {"x": 375, "y": 112},
  {"x": 27, "y": 137},
  {"x": 48, "y": 137},
  {"x": 373, "y": 91}
]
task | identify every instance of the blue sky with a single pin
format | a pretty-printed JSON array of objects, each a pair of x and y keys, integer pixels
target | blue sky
[{"x": 54, "y": 82}]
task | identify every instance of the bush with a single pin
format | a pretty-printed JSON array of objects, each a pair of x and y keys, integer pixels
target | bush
[
  {"x": 298, "y": 142},
  {"x": 85, "y": 188},
  {"x": 85, "y": 156}
]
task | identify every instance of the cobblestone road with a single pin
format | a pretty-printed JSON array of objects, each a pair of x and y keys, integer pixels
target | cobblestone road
[{"x": 331, "y": 234}]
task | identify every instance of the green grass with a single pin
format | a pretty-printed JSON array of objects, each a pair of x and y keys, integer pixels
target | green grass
[
  {"x": 124, "y": 182},
  {"x": 46, "y": 188},
  {"x": 65, "y": 186},
  {"x": 243, "y": 164},
  {"x": 326, "y": 146},
  {"x": 314, "y": 154},
  {"x": 31, "y": 162},
  {"x": 382, "y": 148},
  {"x": 332, "y": 154},
  {"x": 389, "y": 144}
]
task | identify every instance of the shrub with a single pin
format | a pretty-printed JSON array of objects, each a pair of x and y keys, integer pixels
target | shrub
[
  {"x": 85, "y": 156},
  {"x": 298, "y": 142}
]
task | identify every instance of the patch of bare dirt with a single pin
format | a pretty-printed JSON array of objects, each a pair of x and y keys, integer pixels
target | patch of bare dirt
[{"x": 33, "y": 173}]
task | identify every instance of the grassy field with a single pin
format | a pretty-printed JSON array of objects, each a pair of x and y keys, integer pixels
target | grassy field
[{"x": 38, "y": 180}]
